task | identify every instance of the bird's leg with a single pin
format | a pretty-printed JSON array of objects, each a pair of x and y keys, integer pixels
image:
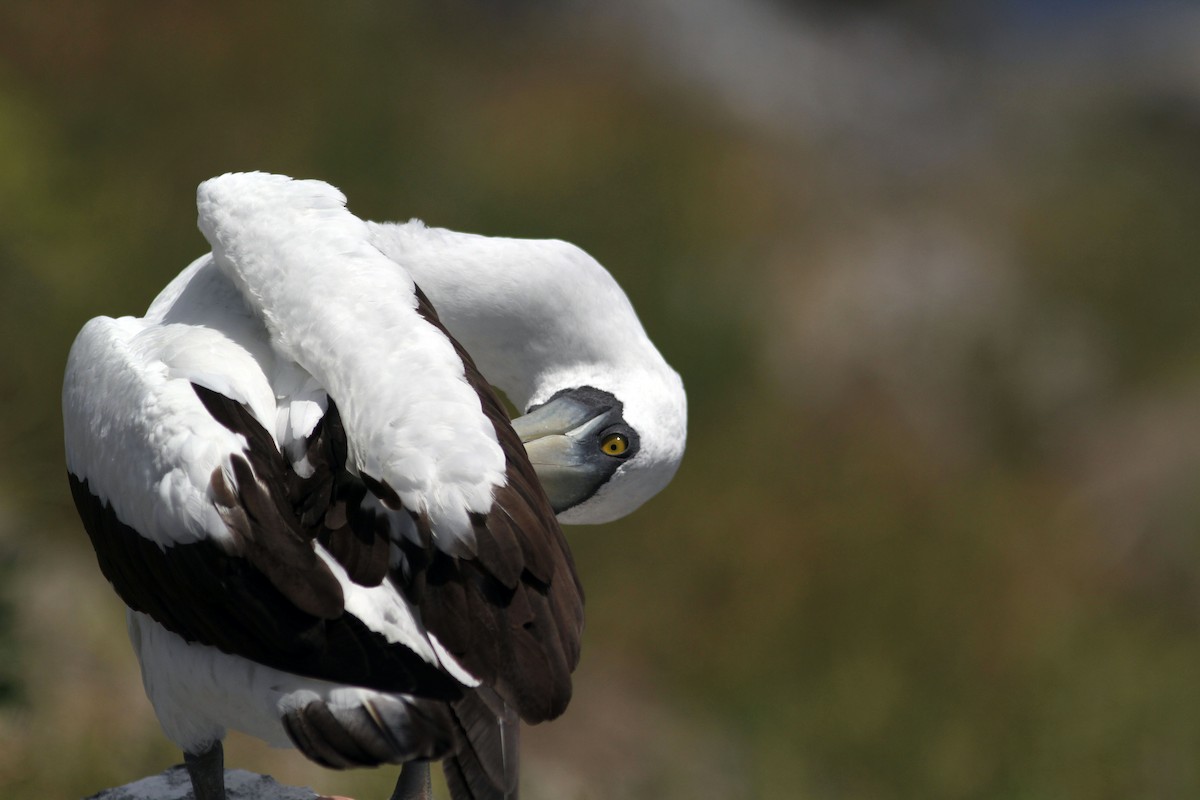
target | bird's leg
[
  {"x": 414, "y": 782},
  {"x": 207, "y": 771}
]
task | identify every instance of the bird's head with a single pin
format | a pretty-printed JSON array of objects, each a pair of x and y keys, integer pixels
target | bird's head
[
  {"x": 608, "y": 442},
  {"x": 605, "y": 419}
]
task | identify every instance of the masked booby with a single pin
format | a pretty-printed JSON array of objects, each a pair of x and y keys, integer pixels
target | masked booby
[{"x": 329, "y": 535}]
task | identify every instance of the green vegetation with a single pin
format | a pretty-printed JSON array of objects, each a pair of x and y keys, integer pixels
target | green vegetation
[{"x": 935, "y": 536}]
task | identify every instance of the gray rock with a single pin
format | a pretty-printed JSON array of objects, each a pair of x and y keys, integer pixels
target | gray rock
[{"x": 174, "y": 784}]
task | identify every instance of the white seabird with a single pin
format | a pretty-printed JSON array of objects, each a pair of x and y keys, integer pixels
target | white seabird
[{"x": 327, "y": 531}]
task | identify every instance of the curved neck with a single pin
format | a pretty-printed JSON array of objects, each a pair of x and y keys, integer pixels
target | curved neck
[{"x": 532, "y": 313}]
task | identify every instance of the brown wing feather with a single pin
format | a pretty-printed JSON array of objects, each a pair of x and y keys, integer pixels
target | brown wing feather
[
  {"x": 512, "y": 614},
  {"x": 267, "y": 596},
  {"x": 256, "y": 508},
  {"x": 521, "y": 589}
]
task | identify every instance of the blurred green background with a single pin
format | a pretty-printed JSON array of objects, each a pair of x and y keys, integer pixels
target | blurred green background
[{"x": 929, "y": 271}]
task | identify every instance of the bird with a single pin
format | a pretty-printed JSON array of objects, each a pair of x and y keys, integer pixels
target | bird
[{"x": 299, "y": 473}]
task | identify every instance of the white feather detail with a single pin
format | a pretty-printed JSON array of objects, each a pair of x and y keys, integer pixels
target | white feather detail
[
  {"x": 137, "y": 432},
  {"x": 384, "y": 610},
  {"x": 199, "y": 691},
  {"x": 345, "y": 313},
  {"x": 539, "y": 316}
]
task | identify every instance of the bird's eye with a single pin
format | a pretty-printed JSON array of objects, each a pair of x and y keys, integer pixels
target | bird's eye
[{"x": 614, "y": 444}]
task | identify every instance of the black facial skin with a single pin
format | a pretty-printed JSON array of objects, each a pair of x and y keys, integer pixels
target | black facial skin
[{"x": 578, "y": 466}]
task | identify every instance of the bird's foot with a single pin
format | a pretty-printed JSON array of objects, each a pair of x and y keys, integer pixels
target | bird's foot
[
  {"x": 207, "y": 771},
  {"x": 414, "y": 782}
]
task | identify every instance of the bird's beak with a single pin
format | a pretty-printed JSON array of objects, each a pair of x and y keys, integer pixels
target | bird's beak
[{"x": 562, "y": 451}]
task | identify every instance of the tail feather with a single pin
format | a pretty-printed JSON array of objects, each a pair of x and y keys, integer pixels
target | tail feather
[
  {"x": 383, "y": 729},
  {"x": 485, "y": 764}
]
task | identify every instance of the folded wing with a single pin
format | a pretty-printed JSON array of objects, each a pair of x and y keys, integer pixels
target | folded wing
[{"x": 292, "y": 460}]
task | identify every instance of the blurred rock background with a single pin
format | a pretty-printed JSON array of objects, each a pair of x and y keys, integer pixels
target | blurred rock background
[{"x": 929, "y": 271}]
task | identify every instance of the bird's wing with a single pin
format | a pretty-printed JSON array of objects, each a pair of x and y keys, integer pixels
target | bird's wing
[
  {"x": 422, "y": 452},
  {"x": 520, "y": 588},
  {"x": 185, "y": 496},
  {"x": 346, "y": 314}
]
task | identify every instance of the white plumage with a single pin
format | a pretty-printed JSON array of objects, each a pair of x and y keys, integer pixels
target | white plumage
[
  {"x": 135, "y": 429},
  {"x": 539, "y": 316},
  {"x": 356, "y": 329},
  {"x": 326, "y": 530}
]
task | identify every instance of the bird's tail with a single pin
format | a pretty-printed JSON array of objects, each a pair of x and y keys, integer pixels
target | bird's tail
[
  {"x": 374, "y": 730},
  {"x": 485, "y": 764}
]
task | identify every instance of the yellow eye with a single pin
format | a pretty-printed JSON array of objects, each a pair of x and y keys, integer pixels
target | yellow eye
[{"x": 614, "y": 444}]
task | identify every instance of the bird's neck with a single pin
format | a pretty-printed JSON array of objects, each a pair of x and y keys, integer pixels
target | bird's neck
[{"x": 524, "y": 309}]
